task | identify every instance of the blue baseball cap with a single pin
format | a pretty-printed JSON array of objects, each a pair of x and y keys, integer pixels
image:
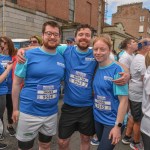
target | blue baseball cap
[{"x": 70, "y": 39}]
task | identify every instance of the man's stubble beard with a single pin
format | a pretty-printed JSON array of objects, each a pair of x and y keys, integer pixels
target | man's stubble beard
[{"x": 46, "y": 45}]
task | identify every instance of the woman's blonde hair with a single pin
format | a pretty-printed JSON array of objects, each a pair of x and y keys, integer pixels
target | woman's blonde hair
[
  {"x": 105, "y": 38},
  {"x": 147, "y": 59}
]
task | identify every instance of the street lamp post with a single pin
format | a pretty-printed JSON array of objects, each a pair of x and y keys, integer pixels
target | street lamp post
[
  {"x": 3, "y": 18},
  {"x": 101, "y": 12}
]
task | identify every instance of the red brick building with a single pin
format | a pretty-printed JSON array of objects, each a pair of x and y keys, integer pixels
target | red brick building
[
  {"x": 135, "y": 19},
  {"x": 68, "y": 13},
  {"x": 85, "y": 11}
]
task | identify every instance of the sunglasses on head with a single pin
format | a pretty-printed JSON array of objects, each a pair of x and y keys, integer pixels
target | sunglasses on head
[
  {"x": 33, "y": 41},
  {"x": 145, "y": 43}
]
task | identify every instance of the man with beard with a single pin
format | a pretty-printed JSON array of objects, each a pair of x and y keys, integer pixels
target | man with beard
[
  {"x": 42, "y": 74},
  {"x": 77, "y": 112}
]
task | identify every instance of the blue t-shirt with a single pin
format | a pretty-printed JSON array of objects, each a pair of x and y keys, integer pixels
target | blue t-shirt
[
  {"x": 80, "y": 67},
  {"x": 3, "y": 85},
  {"x": 4, "y": 59},
  {"x": 42, "y": 75},
  {"x": 106, "y": 93}
]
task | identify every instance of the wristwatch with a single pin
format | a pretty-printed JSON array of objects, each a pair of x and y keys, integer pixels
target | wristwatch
[{"x": 119, "y": 124}]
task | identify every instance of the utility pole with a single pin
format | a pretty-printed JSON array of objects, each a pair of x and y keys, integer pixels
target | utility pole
[
  {"x": 3, "y": 18},
  {"x": 101, "y": 13}
]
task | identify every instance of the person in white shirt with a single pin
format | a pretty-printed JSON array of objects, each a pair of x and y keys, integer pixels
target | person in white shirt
[
  {"x": 145, "y": 127},
  {"x": 130, "y": 47},
  {"x": 137, "y": 71}
]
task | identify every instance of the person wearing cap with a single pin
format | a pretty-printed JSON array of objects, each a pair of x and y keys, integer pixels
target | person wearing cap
[{"x": 70, "y": 41}]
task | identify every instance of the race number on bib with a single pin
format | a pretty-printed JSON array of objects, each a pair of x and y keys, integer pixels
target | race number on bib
[
  {"x": 4, "y": 63},
  {"x": 46, "y": 92},
  {"x": 79, "y": 79},
  {"x": 102, "y": 103}
]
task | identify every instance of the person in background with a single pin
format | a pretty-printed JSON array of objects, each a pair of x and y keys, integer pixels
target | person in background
[
  {"x": 8, "y": 55},
  {"x": 145, "y": 127},
  {"x": 115, "y": 55},
  {"x": 94, "y": 140},
  {"x": 35, "y": 41},
  {"x": 121, "y": 47},
  {"x": 110, "y": 100},
  {"x": 130, "y": 46},
  {"x": 3, "y": 91},
  {"x": 70, "y": 41},
  {"x": 137, "y": 71}
]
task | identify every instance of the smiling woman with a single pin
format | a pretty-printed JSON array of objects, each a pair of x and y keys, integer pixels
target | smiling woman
[{"x": 108, "y": 97}]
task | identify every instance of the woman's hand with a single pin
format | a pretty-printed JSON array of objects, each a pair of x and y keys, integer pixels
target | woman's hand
[{"x": 115, "y": 135}]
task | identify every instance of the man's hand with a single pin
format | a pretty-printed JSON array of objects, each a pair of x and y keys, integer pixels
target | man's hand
[
  {"x": 20, "y": 56},
  {"x": 115, "y": 135},
  {"x": 123, "y": 79},
  {"x": 15, "y": 116}
]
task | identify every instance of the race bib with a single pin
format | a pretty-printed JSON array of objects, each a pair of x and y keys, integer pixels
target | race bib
[
  {"x": 4, "y": 63},
  {"x": 45, "y": 92},
  {"x": 102, "y": 103},
  {"x": 79, "y": 79}
]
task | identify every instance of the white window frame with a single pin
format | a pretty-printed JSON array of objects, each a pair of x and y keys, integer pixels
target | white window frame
[
  {"x": 141, "y": 28},
  {"x": 142, "y": 18}
]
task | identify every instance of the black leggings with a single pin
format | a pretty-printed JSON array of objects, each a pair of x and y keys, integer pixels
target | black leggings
[
  {"x": 2, "y": 109},
  {"x": 146, "y": 141},
  {"x": 9, "y": 107}
]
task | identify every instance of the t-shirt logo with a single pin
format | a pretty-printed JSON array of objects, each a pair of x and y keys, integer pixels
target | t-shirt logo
[
  {"x": 61, "y": 64},
  {"x": 89, "y": 59},
  {"x": 108, "y": 78}
]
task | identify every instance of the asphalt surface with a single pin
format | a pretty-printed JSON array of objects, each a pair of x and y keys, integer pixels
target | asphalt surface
[{"x": 74, "y": 144}]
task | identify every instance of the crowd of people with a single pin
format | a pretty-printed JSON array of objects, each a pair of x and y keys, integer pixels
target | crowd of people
[{"x": 97, "y": 95}]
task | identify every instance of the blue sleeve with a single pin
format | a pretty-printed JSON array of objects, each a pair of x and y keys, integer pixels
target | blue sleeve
[
  {"x": 120, "y": 90},
  {"x": 21, "y": 69},
  {"x": 61, "y": 49}
]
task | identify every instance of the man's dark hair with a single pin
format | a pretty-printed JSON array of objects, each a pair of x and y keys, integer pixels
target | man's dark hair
[
  {"x": 52, "y": 24},
  {"x": 125, "y": 42},
  {"x": 83, "y": 26}
]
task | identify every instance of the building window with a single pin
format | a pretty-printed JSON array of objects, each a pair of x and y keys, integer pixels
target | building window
[
  {"x": 71, "y": 9},
  {"x": 142, "y": 18},
  {"x": 141, "y": 29},
  {"x": 89, "y": 13},
  {"x": 13, "y": 1},
  {"x": 148, "y": 19}
]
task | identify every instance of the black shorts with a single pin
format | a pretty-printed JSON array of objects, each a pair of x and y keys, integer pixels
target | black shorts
[
  {"x": 136, "y": 110},
  {"x": 76, "y": 119}
]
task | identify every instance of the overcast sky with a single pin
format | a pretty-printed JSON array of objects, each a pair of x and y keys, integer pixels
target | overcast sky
[{"x": 112, "y": 6}]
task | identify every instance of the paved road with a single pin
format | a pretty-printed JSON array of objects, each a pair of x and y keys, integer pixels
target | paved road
[{"x": 75, "y": 141}]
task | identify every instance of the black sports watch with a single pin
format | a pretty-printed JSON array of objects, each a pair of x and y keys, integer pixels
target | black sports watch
[{"x": 119, "y": 124}]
